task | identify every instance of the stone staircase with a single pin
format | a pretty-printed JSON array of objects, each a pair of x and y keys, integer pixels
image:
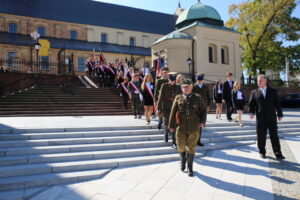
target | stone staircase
[
  {"x": 35, "y": 158},
  {"x": 63, "y": 101}
]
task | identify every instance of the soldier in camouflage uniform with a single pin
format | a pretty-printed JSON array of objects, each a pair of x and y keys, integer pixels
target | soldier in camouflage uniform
[
  {"x": 158, "y": 84},
  {"x": 203, "y": 90},
  {"x": 188, "y": 114},
  {"x": 135, "y": 96},
  {"x": 168, "y": 92}
]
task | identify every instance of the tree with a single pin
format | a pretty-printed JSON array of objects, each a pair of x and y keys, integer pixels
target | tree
[{"x": 264, "y": 25}]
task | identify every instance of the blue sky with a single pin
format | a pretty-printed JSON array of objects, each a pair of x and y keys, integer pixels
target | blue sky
[{"x": 169, "y": 6}]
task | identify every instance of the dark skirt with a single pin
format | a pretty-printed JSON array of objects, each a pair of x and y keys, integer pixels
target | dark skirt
[
  {"x": 147, "y": 99},
  {"x": 240, "y": 103},
  {"x": 218, "y": 98}
]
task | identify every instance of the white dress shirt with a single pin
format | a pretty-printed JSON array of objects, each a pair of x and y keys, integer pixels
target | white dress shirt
[{"x": 239, "y": 95}]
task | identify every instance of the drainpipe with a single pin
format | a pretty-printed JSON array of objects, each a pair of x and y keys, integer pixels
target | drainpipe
[{"x": 193, "y": 60}]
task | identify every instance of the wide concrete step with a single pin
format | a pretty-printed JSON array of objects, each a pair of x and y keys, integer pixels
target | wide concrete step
[
  {"x": 89, "y": 155},
  {"x": 69, "y": 141},
  {"x": 247, "y": 126},
  {"x": 59, "y": 114},
  {"x": 226, "y": 131},
  {"x": 78, "y": 148},
  {"x": 50, "y": 105},
  {"x": 147, "y": 136},
  {"x": 48, "y": 179},
  {"x": 58, "y": 167},
  {"x": 81, "y": 134},
  {"x": 66, "y": 113},
  {"x": 70, "y": 108},
  {"x": 74, "y": 129}
]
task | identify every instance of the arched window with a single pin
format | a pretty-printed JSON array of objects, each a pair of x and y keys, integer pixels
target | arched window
[
  {"x": 212, "y": 53},
  {"x": 12, "y": 28},
  {"x": 73, "y": 35},
  {"x": 41, "y": 30},
  {"x": 225, "y": 55}
]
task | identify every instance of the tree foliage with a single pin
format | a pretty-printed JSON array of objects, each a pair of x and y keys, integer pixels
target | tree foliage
[{"x": 264, "y": 26}]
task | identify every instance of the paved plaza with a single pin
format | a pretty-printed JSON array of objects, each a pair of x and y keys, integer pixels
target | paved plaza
[{"x": 226, "y": 174}]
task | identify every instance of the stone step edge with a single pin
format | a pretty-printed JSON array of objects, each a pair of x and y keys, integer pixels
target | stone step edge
[
  {"x": 84, "y": 178},
  {"x": 113, "y": 140},
  {"x": 41, "y": 130},
  {"x": 123, "y": 133},
  {"x": 20, "y": 170}
]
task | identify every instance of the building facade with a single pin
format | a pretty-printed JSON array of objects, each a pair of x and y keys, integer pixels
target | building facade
[
  {"x": 76, "y": 29},
  {"x": 201, "y": 38}
]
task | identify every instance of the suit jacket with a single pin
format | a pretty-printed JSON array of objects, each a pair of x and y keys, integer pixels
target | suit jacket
[
  {"x": 265, "y": 108},
  {"x": 234, "y": 97},
  {"x": 215, "y": 91},
  {"x": 203, "y": 92},
  {"x": 227, "y": 90}
]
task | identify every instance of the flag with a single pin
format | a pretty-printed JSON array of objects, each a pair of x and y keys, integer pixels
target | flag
[{"x": 159, "y": 66}]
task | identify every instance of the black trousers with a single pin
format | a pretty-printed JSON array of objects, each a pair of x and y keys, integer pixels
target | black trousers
[
  {"x": 125, "y": 101},
  {"x": 229, "y": 109},
  {"x": 261, "y": 130}
]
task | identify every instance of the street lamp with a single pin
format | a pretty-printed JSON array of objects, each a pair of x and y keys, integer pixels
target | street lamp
[
  {"x": 189, "y": 62},
  {"x": 35, "y": 36},
  {"x": 37, "y": 47}
]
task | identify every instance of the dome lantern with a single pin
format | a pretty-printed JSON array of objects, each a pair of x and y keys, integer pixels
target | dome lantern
[{"x": 199, "y": 12}]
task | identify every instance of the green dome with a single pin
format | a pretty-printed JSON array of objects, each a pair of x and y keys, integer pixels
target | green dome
[
  {"x": 197, "y": 12},
  {"x": 175, "y": 35}
]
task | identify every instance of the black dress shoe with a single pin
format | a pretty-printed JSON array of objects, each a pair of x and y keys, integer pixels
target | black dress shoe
[
  {"x": 200, "y": 144},
  {"x": 263, "y": 156},
  {"x": 280, "y": 157}
]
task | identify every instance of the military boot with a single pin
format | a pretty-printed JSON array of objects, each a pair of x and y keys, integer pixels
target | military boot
[
  {"x": 166, "y": 136},
  {"x": 183, "y": 160},
  {"x": 190, "y": 160},
  {"x": 159, "y": 123},
  {"x": 174, "y": 145}
]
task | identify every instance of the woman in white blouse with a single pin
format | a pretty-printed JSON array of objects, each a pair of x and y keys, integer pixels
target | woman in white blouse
[
  {"x": 147, "y": 92},
  {"x": 218, "y": 96},
  {"x": 238, "y": 101}
]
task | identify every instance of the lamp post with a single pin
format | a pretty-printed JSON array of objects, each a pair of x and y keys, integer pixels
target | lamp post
[
  {"x": 37, "y": 47},
  {"x": 35, "y": 36},
  {"x": 189, "y": 62}
]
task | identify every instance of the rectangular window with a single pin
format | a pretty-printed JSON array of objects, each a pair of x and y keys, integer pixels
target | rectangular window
[
  {"x": 41, "y": 30},
  {"x": 73, "y": 35},
  {"x": 10, "y": 57},
  {"x": 103, "y": 37},
  {"x": 132, "y": 41},
  {"x": 12, "y": 28},
  {"x": 44, "y": 62},
  {"x": 223, "y": 56},
  {"x": 210, "y": 52},
  {"x": 81, "y": 64}
]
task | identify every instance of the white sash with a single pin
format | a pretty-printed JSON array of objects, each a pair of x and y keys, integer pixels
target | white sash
[
  {"x": 149, "y": 90},
  {"x": 137, "y": 90},
  {"x": 126, "y": 90}
]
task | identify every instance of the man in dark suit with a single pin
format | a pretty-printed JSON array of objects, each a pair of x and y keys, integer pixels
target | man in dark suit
[
  {"x": 227, "y": 87},
  {"x": 264, "y": 101}
]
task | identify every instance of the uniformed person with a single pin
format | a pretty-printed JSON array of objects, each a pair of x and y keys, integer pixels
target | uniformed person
[
  {"x": 203, "y": 90},
  {"x": 188, "y": 114},
  {"x": 158, "y": 84},
  {"x": 134, "y": 87},
  {"x": 167, "y": 94}
]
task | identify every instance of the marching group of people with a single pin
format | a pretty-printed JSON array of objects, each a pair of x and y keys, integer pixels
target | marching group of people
[{"x": 182, "y": 105}]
